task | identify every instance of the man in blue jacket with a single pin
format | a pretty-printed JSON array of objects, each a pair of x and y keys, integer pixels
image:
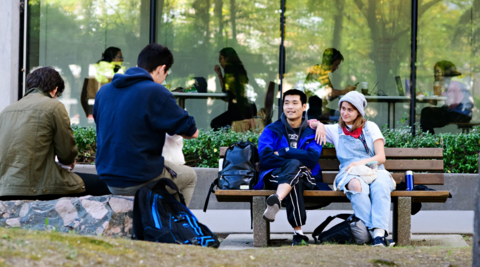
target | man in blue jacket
[
  {"x": 289, "y": 160},
  {"x": 132, "y": 115}
]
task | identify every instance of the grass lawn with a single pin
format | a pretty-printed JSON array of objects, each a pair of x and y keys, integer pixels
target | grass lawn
[{"x": 37, "y": 248}]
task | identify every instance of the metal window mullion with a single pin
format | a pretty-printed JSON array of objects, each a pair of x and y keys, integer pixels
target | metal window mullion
[
  {"x": 413, "y": 70},
  {"x": 281, "y": 68}
]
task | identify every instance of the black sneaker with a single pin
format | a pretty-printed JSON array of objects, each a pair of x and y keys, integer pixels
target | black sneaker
[
  {"x": 299, "y": 240},
  {"x": 382, "y": 242},
  {"x": 273, "y": 206}
]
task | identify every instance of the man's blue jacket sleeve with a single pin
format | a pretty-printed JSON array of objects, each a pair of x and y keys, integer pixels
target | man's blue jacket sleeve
[
  {"x": 308, "y": 157},
  {"x": 267, "y": 145}
]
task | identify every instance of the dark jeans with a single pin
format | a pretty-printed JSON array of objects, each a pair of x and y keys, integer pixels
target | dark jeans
[
  {"x": 432, "y": 117},
  {"x": 93, "y": 186},
  {"x": 234, "y": 113}
]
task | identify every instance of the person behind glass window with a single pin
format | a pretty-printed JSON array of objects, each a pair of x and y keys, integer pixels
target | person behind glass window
[
  {"x": 359, "y": 142},
  {"x": 110, "y": 63},
  {"x": 318, "y": 83},
  {"x": 234, "y": 84},
  {"x": 458, "y": 105},
  {"x": 33, "y": 132}
]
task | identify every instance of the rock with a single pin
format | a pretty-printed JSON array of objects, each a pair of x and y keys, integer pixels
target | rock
[
  {"x": 24, "y": 210},
  {"x": 96, "y": 209},
  {"x": 120, "y": 205},
  {"x": 66, "y": 210},
  {"x": 13, "y": 222},
  {"x": 88, "y": 215}
]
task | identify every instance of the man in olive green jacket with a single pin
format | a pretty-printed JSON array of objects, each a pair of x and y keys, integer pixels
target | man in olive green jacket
[{"x": 32, "y": 132}]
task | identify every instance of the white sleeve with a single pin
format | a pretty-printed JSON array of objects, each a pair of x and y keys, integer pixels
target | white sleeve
[
  {"x": 331, "y": 131},
  {"x": 375, "y": 132}
]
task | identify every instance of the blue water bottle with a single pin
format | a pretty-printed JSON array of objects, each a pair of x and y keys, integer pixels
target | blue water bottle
[{"x": 409, "y": 180}]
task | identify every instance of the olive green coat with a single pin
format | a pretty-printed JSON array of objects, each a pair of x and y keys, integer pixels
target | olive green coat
[{"x": 32, "y": 132}]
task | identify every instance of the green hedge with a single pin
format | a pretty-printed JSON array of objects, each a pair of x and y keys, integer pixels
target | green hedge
[{"x": 459, "y": 154}]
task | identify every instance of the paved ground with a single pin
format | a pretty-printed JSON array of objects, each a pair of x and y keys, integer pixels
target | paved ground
[
  {"x": 245, "y": 241},
  {"x": 425, "y": 222}
]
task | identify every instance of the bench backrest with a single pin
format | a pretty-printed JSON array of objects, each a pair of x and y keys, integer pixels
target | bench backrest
[{"x": 426, "y": 164}]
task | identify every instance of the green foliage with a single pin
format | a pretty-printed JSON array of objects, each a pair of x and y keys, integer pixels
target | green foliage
[
  {"x": 86, "y": 139},
  {"x": 205, "y": 150},
  {"x": 460, "y": 151}
]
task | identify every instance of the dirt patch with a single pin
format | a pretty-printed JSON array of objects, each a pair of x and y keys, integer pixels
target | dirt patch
[{"x": 36, "y": 248}]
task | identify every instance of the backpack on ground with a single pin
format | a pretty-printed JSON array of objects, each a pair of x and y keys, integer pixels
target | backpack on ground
[
  {"x": 239, "y": 169},
  {"x": 351, "y": 231},
  {"x": 159, "y": 217}
]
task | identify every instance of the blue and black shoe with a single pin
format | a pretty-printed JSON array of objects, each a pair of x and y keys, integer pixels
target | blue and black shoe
[
  {"x": 299, "y": 240},
  {"x": 382, "y": 242}
]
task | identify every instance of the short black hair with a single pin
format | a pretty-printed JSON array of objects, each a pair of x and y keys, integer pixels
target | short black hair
[
  {"x": 109, "y": 54},
  {"x": 303, "y": 96},
  {"x": 154, "y": 55},
  {"x": 331, "y": 55},
  {"x": 46, "y": 79}
]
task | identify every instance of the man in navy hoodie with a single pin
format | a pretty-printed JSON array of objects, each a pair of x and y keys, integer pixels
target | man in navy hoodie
[
  {"x": 132, "y": 115},
  {"x": 289, "y": 163}
]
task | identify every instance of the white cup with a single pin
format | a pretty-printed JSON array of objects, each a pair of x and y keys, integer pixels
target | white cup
[{"x": 364, "y": 85}]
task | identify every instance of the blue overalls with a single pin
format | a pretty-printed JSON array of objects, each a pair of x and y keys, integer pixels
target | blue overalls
[{"x": 372, "y": 205}]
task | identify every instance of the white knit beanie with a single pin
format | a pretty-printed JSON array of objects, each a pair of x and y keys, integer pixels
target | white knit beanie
[{"x": 356, "y": 99}]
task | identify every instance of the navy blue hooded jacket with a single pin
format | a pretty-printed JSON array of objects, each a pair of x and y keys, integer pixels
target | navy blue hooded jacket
[
  {"x": 132, "y": 114},
  {"x": 273, "y": 138}
]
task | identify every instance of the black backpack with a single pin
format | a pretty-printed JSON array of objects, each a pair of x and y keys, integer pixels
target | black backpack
[
  {"x": 351, "y": 231},
  {"x": 159, "y": 217},
  {"x": 240, "y": 169}
]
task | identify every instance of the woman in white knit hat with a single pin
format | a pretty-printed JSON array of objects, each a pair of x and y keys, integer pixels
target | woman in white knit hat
[{"x": 359, "y": 142}]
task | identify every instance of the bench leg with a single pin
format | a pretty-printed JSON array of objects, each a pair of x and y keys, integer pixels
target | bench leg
[
  {"x": 261, "y": 228},
  {"x": 402, "y": 221}
]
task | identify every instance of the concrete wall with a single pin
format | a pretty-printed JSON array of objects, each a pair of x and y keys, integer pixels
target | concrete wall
[{"x": 9, "y": 51}]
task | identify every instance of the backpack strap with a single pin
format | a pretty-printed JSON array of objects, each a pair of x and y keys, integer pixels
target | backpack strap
[
  {"x": 161, "y": 185},
  {"x": 137, "y": 218},
  {"x": 321, "y": 227},
  {"x": 210, "y": 191}
]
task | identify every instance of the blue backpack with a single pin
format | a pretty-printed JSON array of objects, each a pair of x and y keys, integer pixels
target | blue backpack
[{"x": 159, "y": 217}]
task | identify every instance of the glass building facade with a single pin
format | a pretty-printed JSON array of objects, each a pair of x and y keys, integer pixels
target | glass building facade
[{"x": 375, "y": 38}]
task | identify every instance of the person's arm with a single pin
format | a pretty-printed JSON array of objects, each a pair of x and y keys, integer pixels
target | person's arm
[
  {"x": 322, "y": 136},
  {"x": 220, "y": 77},
  {"x": 269, "y": 158},
  {"x": 195, "y": 135},
  {"x": 63, "y": 139},
  {"x": 308, "y": 157},
  {"x": 334, "y": 93},
  {"x": 175, "y": 120}
]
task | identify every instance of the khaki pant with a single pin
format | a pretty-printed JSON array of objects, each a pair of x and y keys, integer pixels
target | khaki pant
[{"x": 185, "y": 181}]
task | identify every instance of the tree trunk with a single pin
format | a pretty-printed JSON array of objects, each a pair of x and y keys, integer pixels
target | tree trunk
[
  {"x": 219, "y": 15},
  {"x": 233, "y": 17}
]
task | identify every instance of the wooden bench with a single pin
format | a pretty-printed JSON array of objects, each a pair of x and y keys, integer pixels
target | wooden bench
[
  {"x": 426, "y": 163},
  {"x": 465, "y": 127}
]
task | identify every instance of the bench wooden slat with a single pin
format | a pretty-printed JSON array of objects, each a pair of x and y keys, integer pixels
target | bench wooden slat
[
  {"x": 419, "y": 178},
  {"x": 417, "y": 153},
  {"x": 393, "y": 165},
  {"x": 391, "y": 152},
  {"x": 311, "y": 196}
]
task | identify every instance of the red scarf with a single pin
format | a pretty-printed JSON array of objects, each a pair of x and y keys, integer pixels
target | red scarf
[{"x": 355, "y": 133}]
